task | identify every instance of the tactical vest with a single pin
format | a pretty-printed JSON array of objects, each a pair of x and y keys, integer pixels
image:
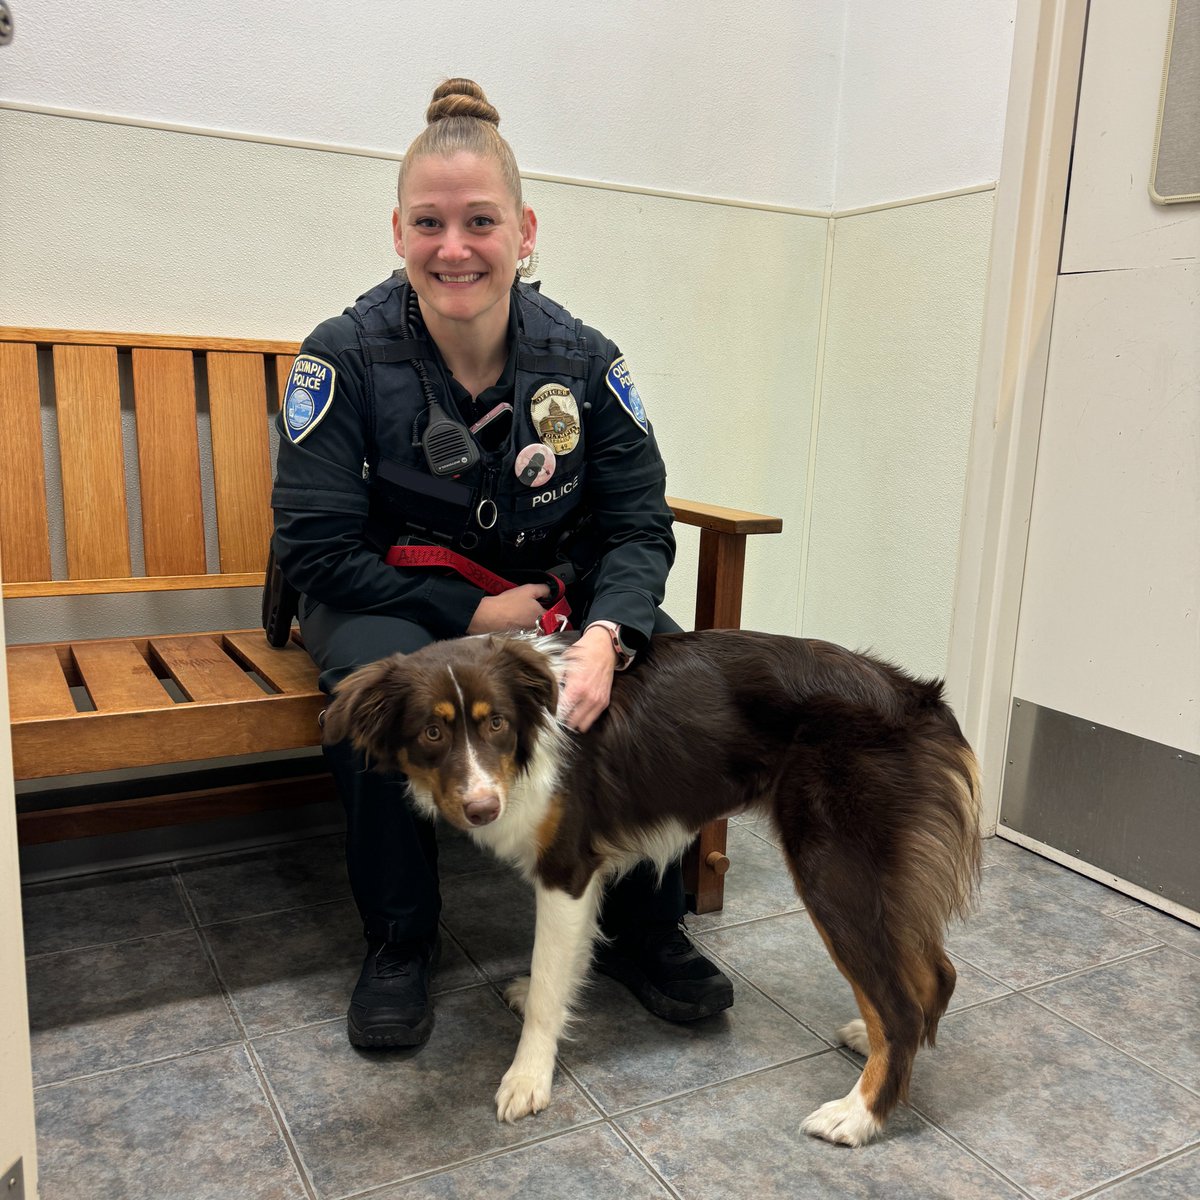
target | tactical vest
[{"x": 487, "y": 513}]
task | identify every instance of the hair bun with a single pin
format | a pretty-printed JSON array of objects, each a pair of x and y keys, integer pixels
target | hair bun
[{"x": 460, "y": 98}]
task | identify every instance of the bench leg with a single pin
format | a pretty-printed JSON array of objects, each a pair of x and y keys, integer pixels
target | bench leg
[
  {"x": 718, "y": 606},
  {"x": 704, "y": 868}
]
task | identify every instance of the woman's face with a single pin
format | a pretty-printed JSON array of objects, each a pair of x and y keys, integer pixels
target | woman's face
[{"x": 461, "y": 235}]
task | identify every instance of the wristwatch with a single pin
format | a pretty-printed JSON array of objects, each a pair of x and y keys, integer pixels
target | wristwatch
[{"x": 625, "y": 654}]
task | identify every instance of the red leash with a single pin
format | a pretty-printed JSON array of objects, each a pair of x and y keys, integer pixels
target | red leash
[{"x": 553, "y": 620}]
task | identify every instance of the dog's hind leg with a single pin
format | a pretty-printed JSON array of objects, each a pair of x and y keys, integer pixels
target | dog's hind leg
[
  {"x": 847, "y": 905},
  {"x": 562, "y": 943}
]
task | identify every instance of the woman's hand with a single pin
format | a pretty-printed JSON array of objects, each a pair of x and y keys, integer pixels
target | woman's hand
[
  {"x": 587, "y": 683},
  {"x": 516, "y": 609}
]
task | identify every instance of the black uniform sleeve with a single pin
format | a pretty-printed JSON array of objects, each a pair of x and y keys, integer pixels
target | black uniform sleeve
[
  {"x": 321, "y": 507},
  {"x": 626, "y": 485}
]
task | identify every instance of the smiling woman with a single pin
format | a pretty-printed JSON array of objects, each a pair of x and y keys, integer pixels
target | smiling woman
[{"x": 455, "y": 406}]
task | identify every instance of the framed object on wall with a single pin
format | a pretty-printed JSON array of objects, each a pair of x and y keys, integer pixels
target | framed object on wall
[{"x": 1175, "y": 170}]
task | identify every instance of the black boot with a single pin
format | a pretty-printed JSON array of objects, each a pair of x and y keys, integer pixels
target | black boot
[
  {"x": 662, "y": 968},
  {"x": 391, "y": 1005}
]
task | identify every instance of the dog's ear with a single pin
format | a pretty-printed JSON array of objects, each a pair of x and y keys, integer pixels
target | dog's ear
[
  {"x": 530, "y": 672},
  {"x": 368, "y": 708}
]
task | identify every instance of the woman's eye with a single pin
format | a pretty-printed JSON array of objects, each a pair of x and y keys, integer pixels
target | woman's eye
[
  {"x": 433, "y": 733},
  {"x": 425, "y": 223},
  {"x": 482, "y": 221}
]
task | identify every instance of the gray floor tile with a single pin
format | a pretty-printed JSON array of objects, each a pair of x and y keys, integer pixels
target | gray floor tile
[
  {"x": 267, "y": 880},
  {"x": 1071, "y": 884},
  {"x": 362, "y": 1120},
  {"x": 459, "y": 855},
  {"x": 785, "y": 957},
  {"x": 1053, "y": 1108},
  {"x": 1177, "y": 1180},
  {"x": 491, "y": 914},
  {"x": 759, "y": 883},
  {"x": 1024, "y": 933},
  {"x": 293, "y": 968},
  {"x": 742, "y": 1140},
  {"x": 196, "y": 1128},
  {"x": 112, "y": 1006},
  {"x": 67, "y": 914},
  {"x": 590, "y": 1164},
  {"x": 1148, "y": 1006},
  {"x": 624, "y": 1056},
  {"x": 1163, "y": 928}
]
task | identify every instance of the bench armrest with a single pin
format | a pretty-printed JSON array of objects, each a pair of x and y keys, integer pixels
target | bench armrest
[{"x": 723, "y": 533}]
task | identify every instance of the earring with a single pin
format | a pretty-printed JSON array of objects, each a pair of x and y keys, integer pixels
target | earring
[{"x": 529, "y": 266}]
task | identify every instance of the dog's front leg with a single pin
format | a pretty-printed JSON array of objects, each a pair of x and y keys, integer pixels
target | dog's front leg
[{"x": 562, "y": 942}]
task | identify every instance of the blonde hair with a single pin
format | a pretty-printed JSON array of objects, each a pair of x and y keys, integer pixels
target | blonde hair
[{"x": 460, "y": 119}]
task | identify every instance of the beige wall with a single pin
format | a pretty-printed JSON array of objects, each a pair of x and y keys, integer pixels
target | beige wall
[
  {"x": 905, "y": 311},
  {"x": 717, "y": 307},
  {"x": 727, "y": 314}
]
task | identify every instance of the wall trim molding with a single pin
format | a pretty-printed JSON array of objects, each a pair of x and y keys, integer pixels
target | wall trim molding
[{"x": 539, "y": 176}]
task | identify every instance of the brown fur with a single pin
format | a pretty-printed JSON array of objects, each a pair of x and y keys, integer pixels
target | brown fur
[{"x": 861, "y": 766}]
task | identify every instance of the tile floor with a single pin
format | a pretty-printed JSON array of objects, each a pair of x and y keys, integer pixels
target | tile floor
[{"x": 188, "y": 1041}]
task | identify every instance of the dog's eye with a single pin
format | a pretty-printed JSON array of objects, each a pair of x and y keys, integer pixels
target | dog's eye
[
  {"x": 433, "y": 733},
  {"x": 497, "y": 723}
]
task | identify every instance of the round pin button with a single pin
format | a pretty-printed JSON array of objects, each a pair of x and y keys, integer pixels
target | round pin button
[{"x": 535, "y": 464}]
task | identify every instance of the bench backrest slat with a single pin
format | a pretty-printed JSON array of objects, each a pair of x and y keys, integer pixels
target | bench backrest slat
[
  {"x": 164, "y": 397},
  {"x": 24, "y": 530},
  {"x": 93, "y": 461},
  {"x": 180, "y": 388},
  {"x": 237, "y": 399}
]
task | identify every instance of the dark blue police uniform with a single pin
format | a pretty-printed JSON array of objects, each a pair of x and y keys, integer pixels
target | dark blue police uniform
[{"x": 353, "y": 479}]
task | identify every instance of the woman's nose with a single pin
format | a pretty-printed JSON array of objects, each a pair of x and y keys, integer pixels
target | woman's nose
[{"x": 454, "y": 247}]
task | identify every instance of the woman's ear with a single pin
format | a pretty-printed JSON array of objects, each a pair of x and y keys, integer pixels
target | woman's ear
[
  {"x": 528, "y": 231},
  {"x": 397, "y": 232}
]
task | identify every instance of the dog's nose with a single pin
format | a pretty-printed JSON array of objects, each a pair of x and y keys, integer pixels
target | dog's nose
[{"x": 482, "y": 811}]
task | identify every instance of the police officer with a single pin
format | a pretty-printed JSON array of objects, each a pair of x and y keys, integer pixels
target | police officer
[{"x": 456, "y": 407}]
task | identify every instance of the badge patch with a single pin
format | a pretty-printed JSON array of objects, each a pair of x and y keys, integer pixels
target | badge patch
[
  {"x": 555, "y": 416},
  {"x": 308, "y": 395},
  {"x": 621, "y": 384}
]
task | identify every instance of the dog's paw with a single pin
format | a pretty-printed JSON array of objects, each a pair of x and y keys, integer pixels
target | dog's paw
[
  {"x": 521, "y": 1096},
  {"x": 516, "y": 993},
  {"x": 846, "y": 1121},
  {"x": 854, "y": 1035}
]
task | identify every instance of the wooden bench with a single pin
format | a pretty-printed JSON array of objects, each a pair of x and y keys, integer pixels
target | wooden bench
[{"x": 120, "y": 703}]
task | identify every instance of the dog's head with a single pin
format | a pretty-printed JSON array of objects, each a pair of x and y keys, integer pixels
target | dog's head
[{"x": 460, "y": 718}]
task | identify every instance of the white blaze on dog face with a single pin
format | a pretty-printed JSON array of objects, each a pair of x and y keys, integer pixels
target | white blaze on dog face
[
  {"x": 464, "y": 719},
  {"x": 462, "y": 761}
]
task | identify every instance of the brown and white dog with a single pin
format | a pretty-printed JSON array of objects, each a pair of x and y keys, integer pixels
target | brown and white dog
[{"x": 861, "y": 767}]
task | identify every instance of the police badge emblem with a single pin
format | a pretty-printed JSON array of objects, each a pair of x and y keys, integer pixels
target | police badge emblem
[
  {"x": 621, "y": 384},
  {"x": 307, "y": 397},
  {"x": 555, "y": 416}
]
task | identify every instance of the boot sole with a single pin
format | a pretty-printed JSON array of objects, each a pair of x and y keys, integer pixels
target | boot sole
[
  {"x": 389, "y": 1037},
  {"x": 659, "y": 1003}
]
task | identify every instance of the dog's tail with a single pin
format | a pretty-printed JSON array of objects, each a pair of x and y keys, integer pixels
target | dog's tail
[{"x": 940, "y": 850}]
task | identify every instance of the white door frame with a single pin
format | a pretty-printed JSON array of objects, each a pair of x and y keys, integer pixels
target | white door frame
[
  {"x": 16, "y": 1073},
  {"x": 1026, "y": 241}
]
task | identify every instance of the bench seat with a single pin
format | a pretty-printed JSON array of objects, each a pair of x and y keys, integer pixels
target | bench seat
[{"x": 199, "y": 451}]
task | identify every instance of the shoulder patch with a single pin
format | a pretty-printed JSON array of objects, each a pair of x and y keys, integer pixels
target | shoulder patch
[
  {"x": 308, "y": 395},
  {"x": 621, "y": 384}
]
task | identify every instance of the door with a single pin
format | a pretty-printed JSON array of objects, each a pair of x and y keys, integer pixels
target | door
[{"x": 1103, "y": 756}]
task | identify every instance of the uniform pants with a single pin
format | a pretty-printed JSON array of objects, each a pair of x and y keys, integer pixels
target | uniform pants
[{"x": 391, "y": 851}]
